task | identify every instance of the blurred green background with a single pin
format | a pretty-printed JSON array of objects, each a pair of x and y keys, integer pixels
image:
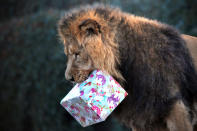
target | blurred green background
[{"x": 32, "y": 62}]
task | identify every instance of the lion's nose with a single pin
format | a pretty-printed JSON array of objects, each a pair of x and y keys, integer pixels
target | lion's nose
[{"x": 69, "y": 77}]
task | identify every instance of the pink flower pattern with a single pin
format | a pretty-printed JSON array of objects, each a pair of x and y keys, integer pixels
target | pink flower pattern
[{"x": 99, "y": 100}]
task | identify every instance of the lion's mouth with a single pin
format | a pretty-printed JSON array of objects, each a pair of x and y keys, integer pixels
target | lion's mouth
[{"x": 81, "y": 75}]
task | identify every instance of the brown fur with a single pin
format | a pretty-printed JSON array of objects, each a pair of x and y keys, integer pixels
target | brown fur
[
  {"x": 148, "y": 58},
  {"x": 108, "y": 57},
  {"x": 192, "y": 46},
  {"x": 178, "y": 119}
]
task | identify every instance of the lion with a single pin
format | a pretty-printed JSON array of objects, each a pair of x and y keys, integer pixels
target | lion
[{"x": 148, "y": 58}]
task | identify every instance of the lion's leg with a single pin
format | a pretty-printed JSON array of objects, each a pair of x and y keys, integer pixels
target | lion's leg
[{"x": 178, "y": 119}]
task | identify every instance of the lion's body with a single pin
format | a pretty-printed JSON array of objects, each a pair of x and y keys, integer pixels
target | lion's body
[{"x": 148, "y": 58}]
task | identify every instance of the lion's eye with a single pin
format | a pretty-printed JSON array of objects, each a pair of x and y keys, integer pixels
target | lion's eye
[{"x": 77, "y": 55}]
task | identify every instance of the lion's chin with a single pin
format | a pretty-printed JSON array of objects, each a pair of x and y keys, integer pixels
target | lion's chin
[
  {"x": 79, "y": 81},
  {"x": 80, "y": 77}
]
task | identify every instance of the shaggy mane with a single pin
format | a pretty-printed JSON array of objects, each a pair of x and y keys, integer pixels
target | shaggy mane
[{"x": 104, "y": 52}]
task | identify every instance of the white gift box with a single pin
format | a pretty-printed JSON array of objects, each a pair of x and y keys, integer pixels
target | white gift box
[{"x": 93, "y": 100}]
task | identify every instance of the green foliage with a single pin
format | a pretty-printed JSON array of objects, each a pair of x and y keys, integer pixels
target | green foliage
[{"x": 32, "y": 73}]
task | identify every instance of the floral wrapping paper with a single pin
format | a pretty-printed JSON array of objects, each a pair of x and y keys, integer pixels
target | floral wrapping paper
[{"x": 93, "y": 100}]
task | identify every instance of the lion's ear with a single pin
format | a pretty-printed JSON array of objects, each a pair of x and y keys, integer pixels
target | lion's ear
[{"x": 90, "y": 26}]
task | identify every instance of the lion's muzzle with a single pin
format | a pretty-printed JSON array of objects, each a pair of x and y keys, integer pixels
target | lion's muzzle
[{"x": 77, "y": 76}]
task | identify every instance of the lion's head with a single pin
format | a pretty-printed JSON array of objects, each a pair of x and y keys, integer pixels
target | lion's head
[{"x": 89, "y": 44}]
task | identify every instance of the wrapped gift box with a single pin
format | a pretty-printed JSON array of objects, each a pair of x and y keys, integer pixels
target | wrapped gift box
[{"x": 93, "y": 100}]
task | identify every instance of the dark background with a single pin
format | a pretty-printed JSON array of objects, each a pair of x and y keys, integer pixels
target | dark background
[{"x": 32, "y": 62}]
